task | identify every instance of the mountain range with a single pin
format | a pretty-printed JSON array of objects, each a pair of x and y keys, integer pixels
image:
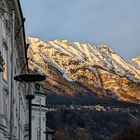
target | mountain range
[{"x": 84, "y": 70}]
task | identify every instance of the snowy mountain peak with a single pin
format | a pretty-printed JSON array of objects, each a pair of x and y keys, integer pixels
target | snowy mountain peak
[
  {"x": 136, "y": 62},
  {"x": 105, "y": 48},
  {"x": 136, "y": 59},
  {"x": 32, "y": 40}
]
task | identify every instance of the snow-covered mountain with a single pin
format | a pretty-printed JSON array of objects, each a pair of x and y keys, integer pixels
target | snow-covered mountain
[
  {"x": 75, "y": 69},
  {"x": 136, "y": 62}
]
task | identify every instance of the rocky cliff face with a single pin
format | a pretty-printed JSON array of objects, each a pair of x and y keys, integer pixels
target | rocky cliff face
[{"x": 75, "y": 69}]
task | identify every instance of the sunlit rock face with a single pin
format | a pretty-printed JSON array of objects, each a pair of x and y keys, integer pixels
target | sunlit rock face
[
  {"x": 136, "y": 62},
  {"x": 75, "y": 69}
]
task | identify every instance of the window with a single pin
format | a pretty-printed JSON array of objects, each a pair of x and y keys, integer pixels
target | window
[{"x": 5, "y": 58}]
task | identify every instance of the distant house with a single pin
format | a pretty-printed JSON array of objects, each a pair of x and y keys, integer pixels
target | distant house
[
  {"x": 13, "y": 123},
  {"x": 39, "y": 110}
]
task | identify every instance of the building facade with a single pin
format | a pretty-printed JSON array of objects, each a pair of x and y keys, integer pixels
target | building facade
[
  {"x": 13, "y": 105},
  {"x": 39, "y": 110}
]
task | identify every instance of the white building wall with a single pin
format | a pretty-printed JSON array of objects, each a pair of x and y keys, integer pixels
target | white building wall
[
  {"x": 20, "y": 114},
  {"x": 4, "y": 85}
]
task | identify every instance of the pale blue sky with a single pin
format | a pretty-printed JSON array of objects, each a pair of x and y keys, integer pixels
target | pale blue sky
[{"x": 112, "y": 22}]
